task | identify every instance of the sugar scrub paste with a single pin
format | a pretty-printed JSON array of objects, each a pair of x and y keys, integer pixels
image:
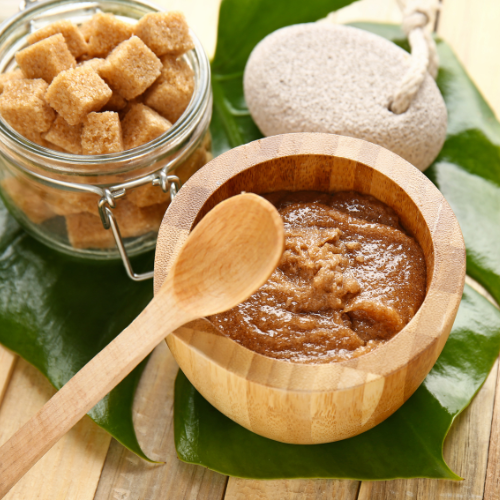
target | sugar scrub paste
[{"x": 350, "y": 279}]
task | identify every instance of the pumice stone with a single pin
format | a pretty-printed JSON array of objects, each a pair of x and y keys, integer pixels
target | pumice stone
[{"x": 321, "y": 77}]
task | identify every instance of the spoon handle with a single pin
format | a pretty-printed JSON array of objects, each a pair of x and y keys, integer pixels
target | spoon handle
[{"x": 88, "y": 387}]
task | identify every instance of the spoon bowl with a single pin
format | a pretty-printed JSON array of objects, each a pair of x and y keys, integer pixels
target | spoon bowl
[
  {"x": 318, "y": 403},
  {"x": 212, "y": 272}
]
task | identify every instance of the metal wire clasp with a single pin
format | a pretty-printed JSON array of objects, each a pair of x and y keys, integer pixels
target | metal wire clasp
[{"x": 107, "y": 203}]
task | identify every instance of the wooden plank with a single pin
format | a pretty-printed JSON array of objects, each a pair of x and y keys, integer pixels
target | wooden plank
[
  {"x": 313, "y": 489},
  {"x": 72, "y": 468},
  {"x": 7, "y": 363},
  {"x": 471, "y": 28},
  {"x": 127, "y": 477},
  {"x": 492, "y": 485},
  {"x": 465, "y": 450}
]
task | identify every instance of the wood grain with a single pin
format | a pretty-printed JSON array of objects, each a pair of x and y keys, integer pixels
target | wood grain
[
  {"x": 7, "y": 364},
  {"x": 228, "y": 256},
  {"x": 467, "y": 26},
  {"x": 492, "y": 484},
  {"x": 313, "y": 489},
  {"x": 126, "y": 476},
  {"x": 465, "y": 451},
  {"x": 326, "y": 402},
  {"x": 72, "y": 468}
]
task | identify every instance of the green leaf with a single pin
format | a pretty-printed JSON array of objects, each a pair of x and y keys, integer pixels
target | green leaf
[
  {"x": 408, "y": 444},
  {"x": 467, "y": 171},
  {"x": 242, "y": 25},
  {"x": 58, "y": 313}
]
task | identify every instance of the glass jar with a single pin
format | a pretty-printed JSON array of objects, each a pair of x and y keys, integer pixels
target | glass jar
[{"x": 101, "y": 206}]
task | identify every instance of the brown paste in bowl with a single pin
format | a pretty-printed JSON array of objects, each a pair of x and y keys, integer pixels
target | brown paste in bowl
[{"x": 350, "y": 278}]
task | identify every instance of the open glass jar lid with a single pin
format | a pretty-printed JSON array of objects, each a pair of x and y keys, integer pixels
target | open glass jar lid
[{"x": 103, "y": 206}]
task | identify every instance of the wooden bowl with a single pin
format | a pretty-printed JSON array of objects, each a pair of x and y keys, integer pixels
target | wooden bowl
[{"x": 318, "y": 403}]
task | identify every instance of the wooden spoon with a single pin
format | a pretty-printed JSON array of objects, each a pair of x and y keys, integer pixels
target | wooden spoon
[{"x": 229, "y": 254}]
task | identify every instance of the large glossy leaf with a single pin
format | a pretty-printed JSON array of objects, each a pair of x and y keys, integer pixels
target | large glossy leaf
[
  {"x": 408, "y": 444},
  {"x": 467, "y": 171},
  {"x": 244, "y": 23},
  {"x": 58, "y": 313}
]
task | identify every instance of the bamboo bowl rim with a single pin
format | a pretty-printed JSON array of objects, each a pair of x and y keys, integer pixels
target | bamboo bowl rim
[{"x": 424, "y": 333}]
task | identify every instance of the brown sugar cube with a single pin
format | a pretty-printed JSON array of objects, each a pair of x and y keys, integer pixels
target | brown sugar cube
[
  {"x": 141, "y": 125},
  {"x": 102, "y": 134},
  {"x": 126, "y": 109},
  {"x": 5, "y": 78},
  {"x": 173, "y": 67},
  {"x": 70, "y": 202},
  {"x": 131, "y": 68},
  {"x": 72, "y": 36},
  {"x": 95, "y": 63},
  {"x": 77, "y": 92},
  {"x": 37, "y": 138},
  {"x": 50, "y": 145},
  {"x": 23, "y": 106},
  {"x": 65, "y": 136},
  {"x": 27, "y": 199},
  {"x": 86, "y": 231},
  {"x": 192, "y": 164},
  {"x": 134, "y": 221},
  {"x": 116, "y": 103},
  {"x": 165, "y": 33},
  {"x": 147, "y": 195},
  {"x": 83, "y": 59},
  {"x": 46, "y": 59},
  {"x": 86, "y": 29},
  {"x": 171, "y": 93},
  {"x": 153, "y": 216},
  {"x": 105, "y": 32}
]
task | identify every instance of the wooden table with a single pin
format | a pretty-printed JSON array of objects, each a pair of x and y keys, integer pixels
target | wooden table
[{"x": 86, "y": 464}]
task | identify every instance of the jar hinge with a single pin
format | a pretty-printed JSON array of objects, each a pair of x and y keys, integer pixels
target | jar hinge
[
  {"x": 168, "y": 183},
  {"x": 107, "y": 202}
]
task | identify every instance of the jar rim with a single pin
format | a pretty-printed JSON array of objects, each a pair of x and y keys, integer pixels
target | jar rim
[{"x": 179, "y": 130}]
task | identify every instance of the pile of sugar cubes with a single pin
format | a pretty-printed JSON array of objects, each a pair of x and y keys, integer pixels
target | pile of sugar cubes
[{"x": 103, "y": 87}]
